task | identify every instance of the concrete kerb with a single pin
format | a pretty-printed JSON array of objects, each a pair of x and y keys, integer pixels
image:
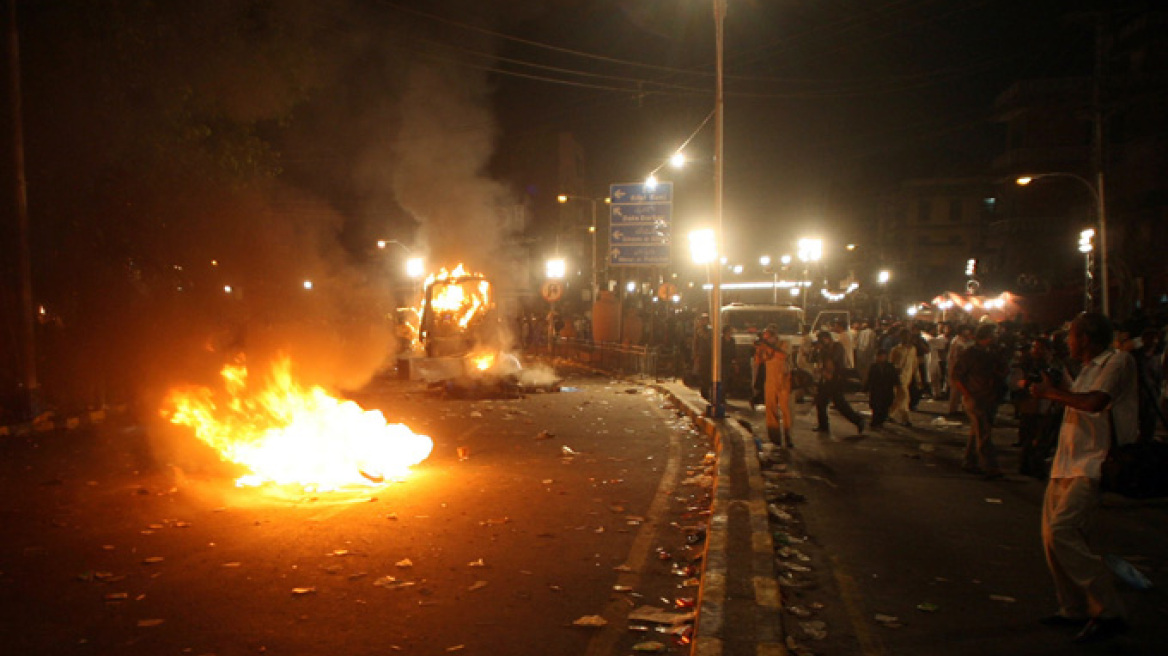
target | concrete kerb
[{"x": 731, "y": 439}]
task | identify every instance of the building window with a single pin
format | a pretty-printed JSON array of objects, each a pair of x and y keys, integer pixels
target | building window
[
  {"x": 989, "y": 205},
  {"x": 955, "y": 207},
  {"x": 924, "y": 210}
]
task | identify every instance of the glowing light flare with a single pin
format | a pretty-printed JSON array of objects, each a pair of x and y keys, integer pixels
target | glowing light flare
[{"x": 284, "y": 434}]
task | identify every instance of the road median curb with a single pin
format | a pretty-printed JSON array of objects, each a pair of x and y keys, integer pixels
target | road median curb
[{"x": 738, "y": 490}]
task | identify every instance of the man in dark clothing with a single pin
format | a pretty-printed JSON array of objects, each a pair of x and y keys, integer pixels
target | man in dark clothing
[
  {"x": 831, "y": 384},
  {"x": 881, "y": 387},
  {"x": 728, "y": 347},
  {"x": 979, "y": 375}
]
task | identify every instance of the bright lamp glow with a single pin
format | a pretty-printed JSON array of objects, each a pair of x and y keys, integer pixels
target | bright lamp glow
[
  {"x": 883, "y": 277},
  {"x": 308, "y": 284},
  {"x": 556, "y": 268},
  {"x": 415, "y": 267},
  {"x": 678, "y": 160},
  {"x": 702, "y": 247},
  {"x": 651, "y": 182},
  {"x": 810, "y": 250},
  {"x": 631, "y": 286},
  {"x": 765, "y": 260},
  {"x": 737, "y": 269},
  {"x": 1024, "y": 180}
]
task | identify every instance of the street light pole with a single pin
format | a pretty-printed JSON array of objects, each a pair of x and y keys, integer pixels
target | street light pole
[{"x": 717, "y": 407}]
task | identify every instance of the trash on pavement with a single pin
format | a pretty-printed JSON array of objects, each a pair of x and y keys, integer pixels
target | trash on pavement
[
  {"x": 928, "y": 607},
  {"x": 1003, "y": 598},
  {"x": 590, "y": 621},
  {"x": 476, "y": 563},
  {"x": 391, "y": 583},
  {"x": 659, "y": 616},
  {"x": 152, "y": 560},
  {"x": 567, "y": 450},
  {"x": 993, "y": 500},
  {"x": 404, "y": 563},
  {"x": 815, "y": 629},
  {"x": 303, "y": 591},
  {"x": 117, "y": 596},
  {"x": 649, "y": 646},
  {"x": 477, "y": 585},
  {"x": 799, "y": 611},
  {"x": 888, "y": 621}
]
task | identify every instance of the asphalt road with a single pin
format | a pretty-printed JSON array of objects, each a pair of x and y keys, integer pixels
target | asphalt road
[
  {"x": 906, "y": 554},
  {"x": 105, "y": 548}
]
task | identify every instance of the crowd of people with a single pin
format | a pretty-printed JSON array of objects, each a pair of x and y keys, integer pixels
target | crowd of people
[{"x": 1077, "y": 392}]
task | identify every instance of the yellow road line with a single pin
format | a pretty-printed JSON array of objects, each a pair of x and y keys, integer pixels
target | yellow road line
[{"x": 870, "y": 644}]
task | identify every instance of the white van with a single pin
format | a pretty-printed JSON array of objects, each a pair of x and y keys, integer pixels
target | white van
[{"x": 748, "y": 322}]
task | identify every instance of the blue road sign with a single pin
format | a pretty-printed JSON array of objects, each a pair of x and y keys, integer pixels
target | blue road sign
[{"x": 640, "y": 220}]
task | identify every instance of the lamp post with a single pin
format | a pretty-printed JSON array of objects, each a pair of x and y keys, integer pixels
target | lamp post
[
  {"x": 717, "y": 407},
  {"x": 564, "y": 198},
  {"x": 1097, "y": 195}
]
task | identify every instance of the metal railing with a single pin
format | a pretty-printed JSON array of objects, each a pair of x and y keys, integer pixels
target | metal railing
[{"x": 612, "y": 357}]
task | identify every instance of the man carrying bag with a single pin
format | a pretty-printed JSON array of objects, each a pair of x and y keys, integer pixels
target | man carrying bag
[{"x": 1101, "y": 401}]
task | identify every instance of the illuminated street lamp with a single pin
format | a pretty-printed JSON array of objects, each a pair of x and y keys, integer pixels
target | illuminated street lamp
[
  {"x": 678, "y": 160},
  {"x": 808, "y": 250},
  {"x": 1087, "y": 247},
  {"x": 702, "y": 247},
  {"x": 883, "y": 277},
  {"x": 415, "y": 267},
  {"x": 308, "y": 285},
  {"x": 556, "y": 268},
  {"x": 1097, "y": 195}
]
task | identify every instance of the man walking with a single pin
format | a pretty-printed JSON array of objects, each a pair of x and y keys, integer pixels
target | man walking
[
  {"x": 831, "y": 384},
  {"x": 1102, "y": 399},
  {"x": 962, "y": 341},
  {"x": 904, "y": 359},
  {"x": 979, "y": 375}
]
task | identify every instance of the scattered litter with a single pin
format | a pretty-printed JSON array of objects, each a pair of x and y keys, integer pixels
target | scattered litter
[
  {"x": 799, "y": 611},
  {"x": 148, "y": 623},
  {"x": 391, "y": 583},
  {"x": 815, "y": 629},
  {"x": 888, "y": 621},
  {"x": 590, "y": 621},
  {"x": 993, "y": 500},
  {"x": 567, "y": 450},
  {"x": 622, "y": 588},
  {"x": 152, "y": 560},
  {"x": 456, "y": 648},
  {"x": 231, "y": 564},
  {"x": 649, "y": 646},
  {"x": 404, "y": 563},
  {"x": 477, "y": 585},
  {"x": 1127, "y": 572},
  {"x": 303, "y": 591},
  {"x": 659, "y": 616},
  {"x": 547, "y": 481},
  {"x": 941, "y": 422},
  {"x": 622, "y": 568},
  {"x": 117, "y": 596},
  {"x": 1003, "y": 599},
  {"x": 927, "y": 448},
  {"x": 476, "y": 414},
  {"x": 476, "y": 563},
  {"x": 928, "y": 607}
]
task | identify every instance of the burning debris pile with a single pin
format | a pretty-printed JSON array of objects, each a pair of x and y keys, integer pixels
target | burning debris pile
[{"x": 284, "y": 434}]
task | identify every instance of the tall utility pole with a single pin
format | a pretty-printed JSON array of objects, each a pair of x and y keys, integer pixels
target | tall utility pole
[
  {"x": 1098, "y": 160},
  {"x": 24, "y": 258},
  {"x": 717, "y": 407}
]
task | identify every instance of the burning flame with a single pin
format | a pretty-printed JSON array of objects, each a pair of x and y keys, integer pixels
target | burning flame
[
  {"x": 462, "y": 300},
  {"x": 483, "y": 361},
  {"x": 287, "y": 434}
]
